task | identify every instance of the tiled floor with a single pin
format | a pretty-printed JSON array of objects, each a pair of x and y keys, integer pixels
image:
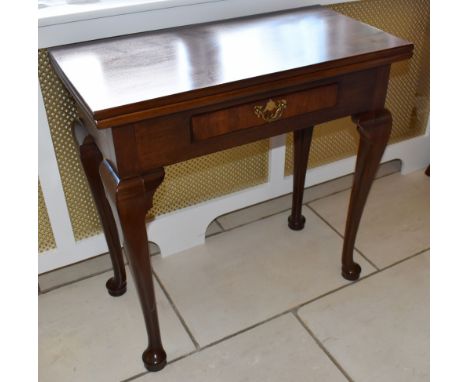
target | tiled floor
[{"x": 260, "y": 302}]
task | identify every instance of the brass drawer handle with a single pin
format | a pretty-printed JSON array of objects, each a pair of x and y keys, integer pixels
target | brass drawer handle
[{"x": 272, "y": 111}]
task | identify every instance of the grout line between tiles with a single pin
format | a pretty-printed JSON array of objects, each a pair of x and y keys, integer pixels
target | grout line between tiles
[
  {"x": 88, "y": 276},
  {"x": 333, "y": 228},
  {"x": 183, "y": 356},
  {"x": 272, "y": 214},
  {"x": 321, "y": 346},
  {"x": 251, "y": 327},
  {"x": 344, "y": 189},
  {"x": 228, "y": 337},
  {"x": 291, "y": 310},
  {"x": 362, "y": 278},
  {"x": 403, "y": 260},
  {"x": 277, "y": 212},
  {"x": 135, "y": 377},
  {"x": 181, "y": 319},
  {"x": 304, "y": 203},
  {"x": 45, "y": 291}
]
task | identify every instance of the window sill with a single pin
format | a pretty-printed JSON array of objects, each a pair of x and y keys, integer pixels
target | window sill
[
  {"x": 63, "y": 23},
  {"x": 62, "y": 12}
]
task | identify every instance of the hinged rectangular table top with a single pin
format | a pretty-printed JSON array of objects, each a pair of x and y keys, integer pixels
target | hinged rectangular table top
[{"x": 117, "y": 76}]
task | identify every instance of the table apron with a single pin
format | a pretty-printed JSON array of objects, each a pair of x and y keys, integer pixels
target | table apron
[{"x": 146, "y": 145}]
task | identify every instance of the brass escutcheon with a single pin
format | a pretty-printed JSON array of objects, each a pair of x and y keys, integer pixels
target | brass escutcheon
[{"x": 272, "y": 111}]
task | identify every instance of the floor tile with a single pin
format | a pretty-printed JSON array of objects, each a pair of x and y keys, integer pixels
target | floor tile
[
  {"x": 87, "y": 335},
  {"x": 78, "y": 271},
  {"x": 273, "y": 206},
  {"x": 395, "y": 223},
  {"x": 251, "y": 273},
  {"x": 75, "y": 272},
  {"x": 378, "y": 329},
  {"x": 277, "y": 351}
]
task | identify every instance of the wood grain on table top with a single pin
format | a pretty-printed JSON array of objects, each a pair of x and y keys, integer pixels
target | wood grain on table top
[{"x": 131, "y": 73}]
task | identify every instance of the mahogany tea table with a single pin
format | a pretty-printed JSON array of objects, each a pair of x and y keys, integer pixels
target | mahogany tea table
[{"x": 153, "y": 99}]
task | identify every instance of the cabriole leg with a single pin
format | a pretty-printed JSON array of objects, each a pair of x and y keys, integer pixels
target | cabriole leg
[
  {"x": 302, "y": 139},
  {"x": 374, "y": 130},
  {"x": 132, "y": 198},
  {"x": 91, "y": 158}
]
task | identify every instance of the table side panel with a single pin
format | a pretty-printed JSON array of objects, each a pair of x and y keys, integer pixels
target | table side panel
[{"x": 169, "y": 139}]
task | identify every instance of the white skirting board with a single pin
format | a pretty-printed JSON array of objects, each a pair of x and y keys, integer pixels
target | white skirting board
[{"x": 185, "y": 228}]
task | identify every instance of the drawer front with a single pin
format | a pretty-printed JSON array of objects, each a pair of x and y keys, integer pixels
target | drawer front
[
  {"x": 262, "y": 112},
  {"x": 176, "y": 137}
]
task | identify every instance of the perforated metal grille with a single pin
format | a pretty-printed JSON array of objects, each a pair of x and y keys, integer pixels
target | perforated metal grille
[
  {"x": 213, "y": 175},
  {"x": 408, "y": 91},
  {"x": 46, "y": 236},
  {"x": 61, "y": 112},
  {"x": 185, "y": 184}
]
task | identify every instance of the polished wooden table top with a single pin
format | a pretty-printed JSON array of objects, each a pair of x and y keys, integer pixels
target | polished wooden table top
[{"x": 127, "y": 74}]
